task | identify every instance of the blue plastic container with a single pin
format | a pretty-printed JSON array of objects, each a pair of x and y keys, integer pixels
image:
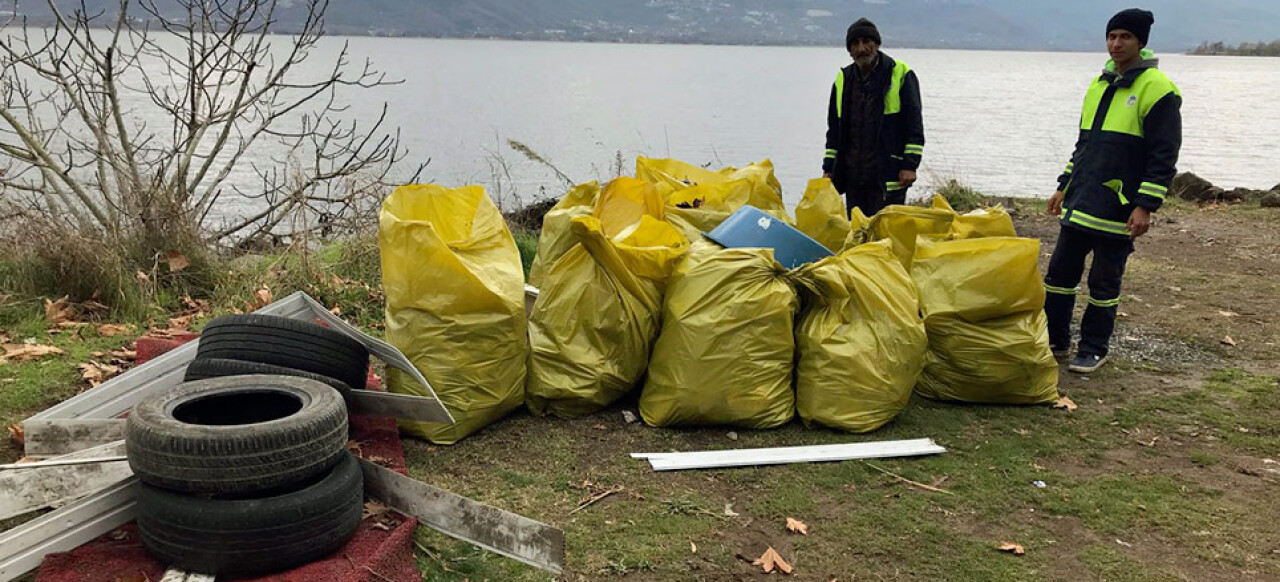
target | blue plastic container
[{"x": 751, "y": 227}]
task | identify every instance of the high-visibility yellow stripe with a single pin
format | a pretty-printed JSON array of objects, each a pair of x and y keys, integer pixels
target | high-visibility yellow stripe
[
  {"x": 840, "y": 93},
  {"x": 1104, "y": 302},
  {"x": 831, "y": 153},
  {"x": 1154, "y": 190},
  {"x": 1096, "y": 223},
  {"x": 892, "y": 186},
  {"x": 1061, "y": 290}
]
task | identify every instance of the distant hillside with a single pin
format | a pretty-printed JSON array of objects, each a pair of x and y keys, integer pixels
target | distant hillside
[{"x": 996, "y": 24}]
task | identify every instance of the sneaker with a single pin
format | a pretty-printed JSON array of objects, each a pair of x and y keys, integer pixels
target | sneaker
[
  {"x": 1086, "y": 364},
  {"x": 1060, "y": 353}
]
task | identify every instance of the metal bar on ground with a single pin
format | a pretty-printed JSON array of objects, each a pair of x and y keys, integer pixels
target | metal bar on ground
[
  {"x": 404, "y": 406},
  {"x": 29, "y": 487},
  {"x": 24, "y": 547},
  {"x": 55, "y": 436},
  {"x": 784, "y": 455},
  {"x": 502, "y": 532}
]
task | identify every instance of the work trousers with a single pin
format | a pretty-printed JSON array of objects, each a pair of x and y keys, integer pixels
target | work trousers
[{"x": 1062, "y": 283}]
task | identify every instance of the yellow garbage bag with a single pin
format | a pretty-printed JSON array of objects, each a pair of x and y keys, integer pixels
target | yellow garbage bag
[
  {"x": 618, "y": 205},
  {"x": 902, "y": 224},
  {"x": 715, "y": 195},
  {"x": 455, "y": 304},
  {"x": 860, "y": 341},
  {"x": 983, "y": 305},
  {"x": 821, "y": 215},
  {"x": 554, "y": 240},
  {"x": 982, "y": 222},
  {"x": 597, "y": 317},
  {"x": 725, "y": 352}
]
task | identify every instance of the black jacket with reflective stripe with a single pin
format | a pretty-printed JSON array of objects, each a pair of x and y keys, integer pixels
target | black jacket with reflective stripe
[
  {"x": 901, "y": 140},
  {"x": 1127, "y": 151}
]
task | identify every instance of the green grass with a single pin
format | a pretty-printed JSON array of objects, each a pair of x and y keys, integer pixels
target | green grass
[{"x": 527, "y": 242}]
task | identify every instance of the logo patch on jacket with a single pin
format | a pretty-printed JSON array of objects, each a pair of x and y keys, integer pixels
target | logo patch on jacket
[{"x": 1133, "y": 100}]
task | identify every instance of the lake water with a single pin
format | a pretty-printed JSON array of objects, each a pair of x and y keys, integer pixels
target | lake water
[{"x": 1003, "y": 122}]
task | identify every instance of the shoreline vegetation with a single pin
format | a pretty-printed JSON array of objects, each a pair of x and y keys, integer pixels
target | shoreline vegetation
[{"x": 1244, "y": 49}]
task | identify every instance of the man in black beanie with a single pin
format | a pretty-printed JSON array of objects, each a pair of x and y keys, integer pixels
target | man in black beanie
[
  {"x": 1120, "y": 172},
  {"x": 875, "y": 134}
]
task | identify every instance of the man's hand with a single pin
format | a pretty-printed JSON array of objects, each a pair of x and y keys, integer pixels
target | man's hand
[
  {"x": 1139, "y": 222},
  {"x": 1055, "y": 203},
  {"x": 826, "y": 175},
  {"x": 906, "y": 178}
]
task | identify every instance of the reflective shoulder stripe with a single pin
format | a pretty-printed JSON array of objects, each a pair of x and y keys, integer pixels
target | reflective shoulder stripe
[
  {"x": 840, "y": 93},
  {"x": 1060, "y": 290},
  {"x": 893, "y": 99},
  {"x": 830, "y": 154},
  {"x": 1095, "y": 223},
  {"x": 1153, "y": 190},
  {"x": 1104, "y": 302}
]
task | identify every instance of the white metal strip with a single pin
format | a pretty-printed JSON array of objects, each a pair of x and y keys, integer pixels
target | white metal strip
[
  {"x": 53, "y": 437},
  {"x": 783, "y": 455},
  {"x": 30, "y": 487},
  {"x": 24, "y": 547},
  {"x": 509, "y": 534}
]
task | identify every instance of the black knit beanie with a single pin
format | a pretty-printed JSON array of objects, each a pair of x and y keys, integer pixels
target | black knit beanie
[
  {"x": 863, "y": 28},
  {"x": 1134, "y": 20}
]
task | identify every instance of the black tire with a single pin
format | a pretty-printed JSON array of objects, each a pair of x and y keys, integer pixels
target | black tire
[
  {"x": 205, "y": 368},
  {"x": 281, "y": 341},
  {"x": 236, "y": 435},
  {"x": 247, "y": 537}
]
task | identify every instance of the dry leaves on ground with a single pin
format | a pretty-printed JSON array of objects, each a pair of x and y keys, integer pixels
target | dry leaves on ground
[
  {"x": 693, "y": 547},
  {"x": 1012, "y": 548},
  {"x": 1066, "y": 404},
  {"x": 770, "y": 561},
  {"x": 261, "y": 298},
  {"x": 27, "y": 352},
  {"x": 58, "y": 311},
  {"x": 796, "y": 526},
  {"x": 195, "y": 307},
  {"x": 374, "y": 508},
  {"x": 177, "y": 326},
  {"x": 16, "y": 433},
  {"x": 1227, "y": 341},
  {"x": 177, "y": 261},
  {"x": 95, "y": 373},
  {"x": 112, "y": 329}
]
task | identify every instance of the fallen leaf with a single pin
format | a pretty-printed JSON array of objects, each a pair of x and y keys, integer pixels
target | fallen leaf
[
  {"x": 771, "y": 560},
  {"x": 129, "y": 355},
  {"x": 1012, "y": 548},
  {"x": 1227, "y": 341},
  {"x": 197, "y": 307},
  {"x": 1226, "y": 313},
  {"x": 263, "y": 295},
  {"x": 382, "y": 526},
  {"x": 91, "y": 374},
  {"x": 16, "y": 433},
  {"x": 354, "y": 446},
  {"x": 25, "y": 461},
  {"x": 26, "y": 352},
  {"x": 141, "y": 276},
  {"x": 1124, "y": 543},
  {"x": 600, "y": 427},
  {"x": 179, "y": 324},
  {"x": 177, "y": 261},
  {"x": 373, "y": 509},
  {"x": 1066, "y": 404},
  {"x": 336, "y": 310},
  {"x": 1022, "y": 431},
  {"x": 728, "y": 510},
  {"x": 796, "y": 526},
  {"x": 112, "y": 329},
  {"x": 58, "y": 311},
  {"x": 693, "y": 547}
]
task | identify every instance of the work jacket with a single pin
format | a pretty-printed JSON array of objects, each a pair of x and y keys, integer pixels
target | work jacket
[
  {"x": 901, "y": 139},
  {"x": 1125, "y": 157}
]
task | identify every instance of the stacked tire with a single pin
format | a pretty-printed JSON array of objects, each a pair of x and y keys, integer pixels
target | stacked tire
[{"x": 244, "y": 467}]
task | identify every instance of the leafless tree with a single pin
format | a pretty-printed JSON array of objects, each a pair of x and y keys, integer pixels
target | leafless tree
[{"x": 137, "y": 124}]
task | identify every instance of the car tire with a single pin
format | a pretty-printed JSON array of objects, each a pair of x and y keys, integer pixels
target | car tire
[
  {"x": 205, "y": 368},
  {"x": 250, "y": 537},
  {"x": 236, "y": 435},
  {"x": 280, "y": 341}
]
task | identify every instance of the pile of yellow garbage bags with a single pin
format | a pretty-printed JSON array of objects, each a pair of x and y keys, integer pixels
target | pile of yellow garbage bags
[{"x": 633, "y": 298}]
